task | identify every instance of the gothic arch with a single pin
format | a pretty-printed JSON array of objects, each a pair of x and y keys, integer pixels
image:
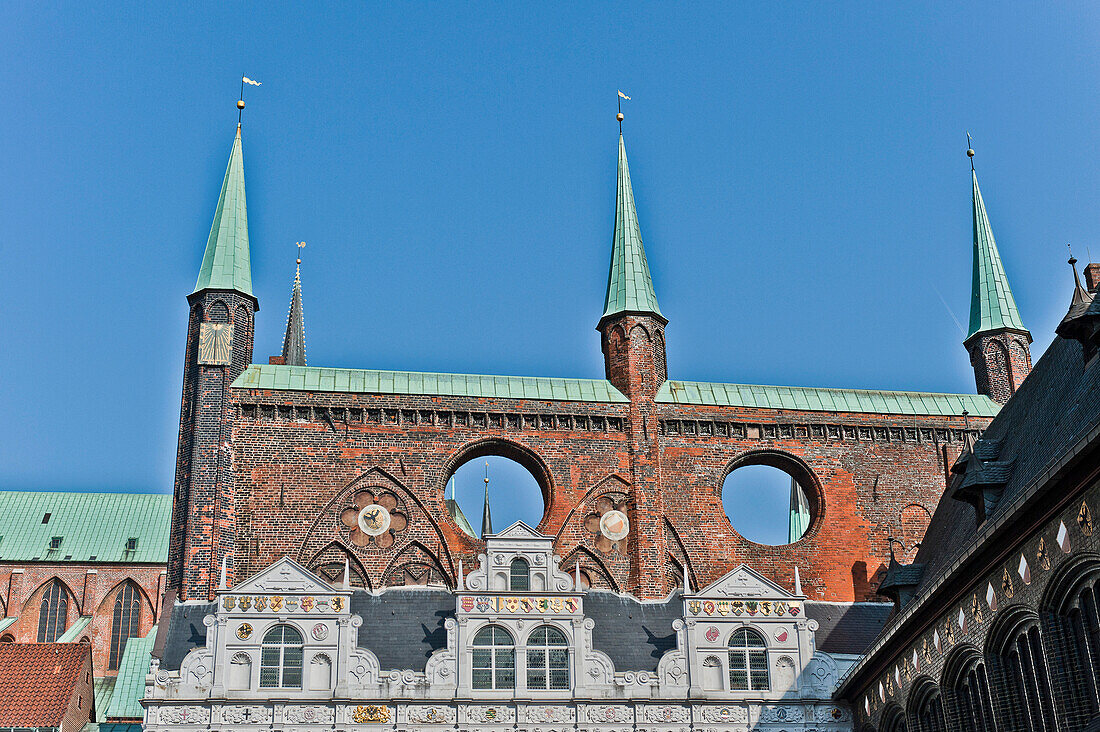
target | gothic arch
[
  {"x": 1061, "y": 586},
  {"x": 613, "y": 483},
  {"x": 106, "y": 605},
  {"x": 414, "y": 559},
  {"x": 590, "y": 564},
  {"x": 680, "y": 555},
  {"x": 1004, "y": 628},
  {"x": 335, "y": 553},
  {"x": 217, "y": 312},
  {"x": 36, "y": 597},
  {"x": 327, "y": 523}
]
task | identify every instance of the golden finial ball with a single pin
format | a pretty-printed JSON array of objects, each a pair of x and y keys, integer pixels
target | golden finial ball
[
  {"x": 970, "y": 152},
  {"x": 240, "y": 104},
  {"x": 619, "y": 116}
]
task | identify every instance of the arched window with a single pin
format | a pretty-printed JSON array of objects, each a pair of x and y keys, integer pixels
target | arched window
[
  {"x": 520, "y": 579},
  {"x": 748, "y": 661},
  {"x": 1026, "y": 694},
  {"x": 281, "y": 658},
  {"x": 126, "y": 623},
  {"x": 53, "y": 614},
  {"x": 893, "y": 720},
  {"x": 965, "y": 676},
  {"x": 1071, "y": 633},
  {"x": 926, "y": 708},
  {"x": 494, "y": 659},
  {"x": 547, "y": 659}
]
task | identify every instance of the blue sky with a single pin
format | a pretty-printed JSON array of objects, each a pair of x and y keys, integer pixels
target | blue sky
[{"x": 799, "y": 172}]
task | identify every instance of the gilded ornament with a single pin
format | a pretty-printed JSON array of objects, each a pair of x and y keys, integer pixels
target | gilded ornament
[
  {"x": 244, "y": 631},
  {"x": 371, "y": 713},
  {"x": 1041, "y": 554},
  {"x": 1084, "y": 519}
]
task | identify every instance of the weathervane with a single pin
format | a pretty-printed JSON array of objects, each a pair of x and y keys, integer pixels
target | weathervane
[
  {"x": 240, "y": 102},
  {"x": 619, "y": 102},
  {"x": 969, "y": 151}
]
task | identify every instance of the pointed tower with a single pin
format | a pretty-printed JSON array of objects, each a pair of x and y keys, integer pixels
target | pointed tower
[
  {"x": 486, "y": 516},
  {"x": 998, "y": 342},
  {"x": 632, "y": 332},
  {"x": 294, "y": 342},
  {"x": 632, "y": 325},
  {"x": 219, "y": 347}
]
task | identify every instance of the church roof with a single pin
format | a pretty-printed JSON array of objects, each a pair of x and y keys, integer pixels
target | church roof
[
  {"x": 92, "y": 526},
  {"x": 825, "y": 400},
  {"x": 225, "y": 264},
  {"x": 629, "y": 285},
  {"x": 992, "y": 306},
  {"x": 130, "y": 684},
  {"x": 361, "y": 381}
]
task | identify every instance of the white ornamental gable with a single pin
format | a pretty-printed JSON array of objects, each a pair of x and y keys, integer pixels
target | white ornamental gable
[
  {"x": 284, "y": 577},
  {"x": 745, "y": 583},
  {"x": 519, "y": 530}
]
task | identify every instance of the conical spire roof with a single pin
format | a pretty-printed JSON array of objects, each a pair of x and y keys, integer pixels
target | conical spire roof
[
  {"x": 992, "y": 306},
  {"x": 294, "y": 342},
  {"x": 629, "y": 285},
  {"x": 486, "y": 516},
  {"x": 225, "y": 265}
]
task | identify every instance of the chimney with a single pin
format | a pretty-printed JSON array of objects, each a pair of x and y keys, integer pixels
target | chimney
[
  {"x": 276, "y": 360},
  {"x": 1092, "y": 276}
]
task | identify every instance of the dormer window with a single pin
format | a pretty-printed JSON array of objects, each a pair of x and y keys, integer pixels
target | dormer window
[
  {"x": 131, "y": 544},
  {"x": 55, "y": 543},
  {"x": 520, "y": 576}
]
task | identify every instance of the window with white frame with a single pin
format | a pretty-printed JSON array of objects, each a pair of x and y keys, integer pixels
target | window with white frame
[
  {"x": 547, "y": 659},
  {"x": 281, "y": 658},
  {"x": 494, "y": 659},
  {"x": 748, "y": 661},
  {"x": 520, "y": 579}
]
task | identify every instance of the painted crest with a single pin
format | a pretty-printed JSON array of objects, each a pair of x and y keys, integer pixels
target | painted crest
[
  {"x": 374, "y": 520},
  {"x": 694, "y": 606},
  {"x": 513, "y": 604},
  {"x": 467, "y": 604},
  {"x": 229, "y": 602},
  {"x": 337, "y": 604},
  {"x": 614, "y": 525},
  {"x": 711, "y": 634},
  {"x": 319, "y": 631},
  {"x": 260, "y": 603},
  {"x": 307, "y": 603},
  {"x": 244, "y": 631},
  {"x": 484, "y": 603},
  {"x": 276, "y": 603},
  {"x": 244, "y": 603},
  {"x": 708, "y": 607},
  {"x": 571, "y": 604}
]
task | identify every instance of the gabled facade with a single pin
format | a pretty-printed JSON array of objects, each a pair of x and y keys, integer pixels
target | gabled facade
[{"x": 518, "y": 646}]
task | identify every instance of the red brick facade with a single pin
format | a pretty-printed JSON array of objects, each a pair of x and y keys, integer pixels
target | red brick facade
[
  {"x": 90, "y": 589},
  {"x": 1001, "y": 361}
]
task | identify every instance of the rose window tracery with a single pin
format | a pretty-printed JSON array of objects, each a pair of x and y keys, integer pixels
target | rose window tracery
[
  {"x": 374, "y": 518},
  {"x": 609, "y": 524}
]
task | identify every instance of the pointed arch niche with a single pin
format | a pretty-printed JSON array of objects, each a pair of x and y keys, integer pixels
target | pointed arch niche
[{"x": 519, "y": 486}]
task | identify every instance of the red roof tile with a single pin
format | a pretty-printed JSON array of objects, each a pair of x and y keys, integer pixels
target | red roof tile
[{"x": 37, "y": 680}]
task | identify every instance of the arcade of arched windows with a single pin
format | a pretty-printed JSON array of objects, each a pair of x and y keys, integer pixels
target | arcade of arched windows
[{"x": 1039, "y": 670}]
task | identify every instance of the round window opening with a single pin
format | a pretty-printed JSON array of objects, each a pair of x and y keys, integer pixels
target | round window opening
[
  {"x": 768, "y": 504},
  {"x": 511, "y": 491}
]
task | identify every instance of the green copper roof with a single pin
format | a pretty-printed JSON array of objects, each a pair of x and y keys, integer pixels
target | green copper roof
[
  {"x": 311, "y": 378},
  {"x": 225, "y": 265},
  {"x": 89, "y": 524},
  {"x": 130, "y": 684},
  {"x": 629, "y": 286},
  {"x": 825, "y": 400},
  {"x": 992, "y": 306}
]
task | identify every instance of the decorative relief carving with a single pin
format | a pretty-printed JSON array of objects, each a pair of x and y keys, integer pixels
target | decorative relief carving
[
  {"x": 723, "y": 714},
  {"x": 832, "y": 713},
  {"x": 781, "y": 714},
  {"x": 547, "y": 713},
  {"x": 822, "y": 674},
  {"x": 246, "y": 715},
  {"x": 371, "y": 713},
  {"x": 309, "y": 715},
  {"x": 607, "y": 713},
  {"x": 666, "y": 713},
  {"x": 496, "y": 714},
  {"x": 184, "y": 715},
  {"x": 431, "y": 715}
]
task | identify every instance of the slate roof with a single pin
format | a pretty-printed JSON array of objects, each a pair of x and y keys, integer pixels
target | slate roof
[
  {"x": 848, "y": 627},
  {"x": 629, "y": 284},
  {"x": 37, "y": 681},
  {"x": 403, "y": 627},
  {"x": 1052, "y": 418},
  {"x": 992, "y": 306},
  {"x": 634, "y": 634},
  {"x": 91, "y": 525},
  {"x": 184, "y": 631},
  {"x": 225, "y": 263},
  {"x": 130, "y": 683}
]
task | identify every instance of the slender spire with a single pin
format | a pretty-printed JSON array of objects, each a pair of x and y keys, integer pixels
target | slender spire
[
  {"x": 294, "y": 342},
  {"x": 629, "y": 285},
  {"x": 226, "y": 265},
  {"x": 992, "y": 306},
  {"x": 486, "y": 518}
]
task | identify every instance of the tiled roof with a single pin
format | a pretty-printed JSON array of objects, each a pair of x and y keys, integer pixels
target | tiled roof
[
  {"x": 90, "y": 525},
  {"x": 225, "y": 264},
  {"x": 992, "y": 306},
  {"x": 629, "y": 285},
  {"x": 130, "y": 686},
  {"x": 310, "y": 378},
  {"x": 37, "y": 681},
  {"x": 825, "y": 400}
]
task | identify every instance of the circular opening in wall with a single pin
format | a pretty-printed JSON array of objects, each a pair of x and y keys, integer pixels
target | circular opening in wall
[
  {"x": 513, "y": 491},
  {"x": 770, "y": 499}
]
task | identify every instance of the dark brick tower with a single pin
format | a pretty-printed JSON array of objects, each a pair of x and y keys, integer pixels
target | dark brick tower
[
  {"x": 633, "y": 339},
  {"x": 219, "y": 347},
  {"x": 998, "y": 342}
]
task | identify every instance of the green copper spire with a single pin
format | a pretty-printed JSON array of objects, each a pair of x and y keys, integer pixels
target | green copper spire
[
  {"x": 225, "y": 265},
  {"x": 629, "y": 286},
  {"x": 992, "y": 306}
]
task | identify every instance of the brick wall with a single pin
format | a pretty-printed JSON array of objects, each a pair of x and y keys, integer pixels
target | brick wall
[{"x": 1001, "y": 361}]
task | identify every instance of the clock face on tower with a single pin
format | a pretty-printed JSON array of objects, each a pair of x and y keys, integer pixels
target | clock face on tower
[{"x": 374, "y": 520}]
